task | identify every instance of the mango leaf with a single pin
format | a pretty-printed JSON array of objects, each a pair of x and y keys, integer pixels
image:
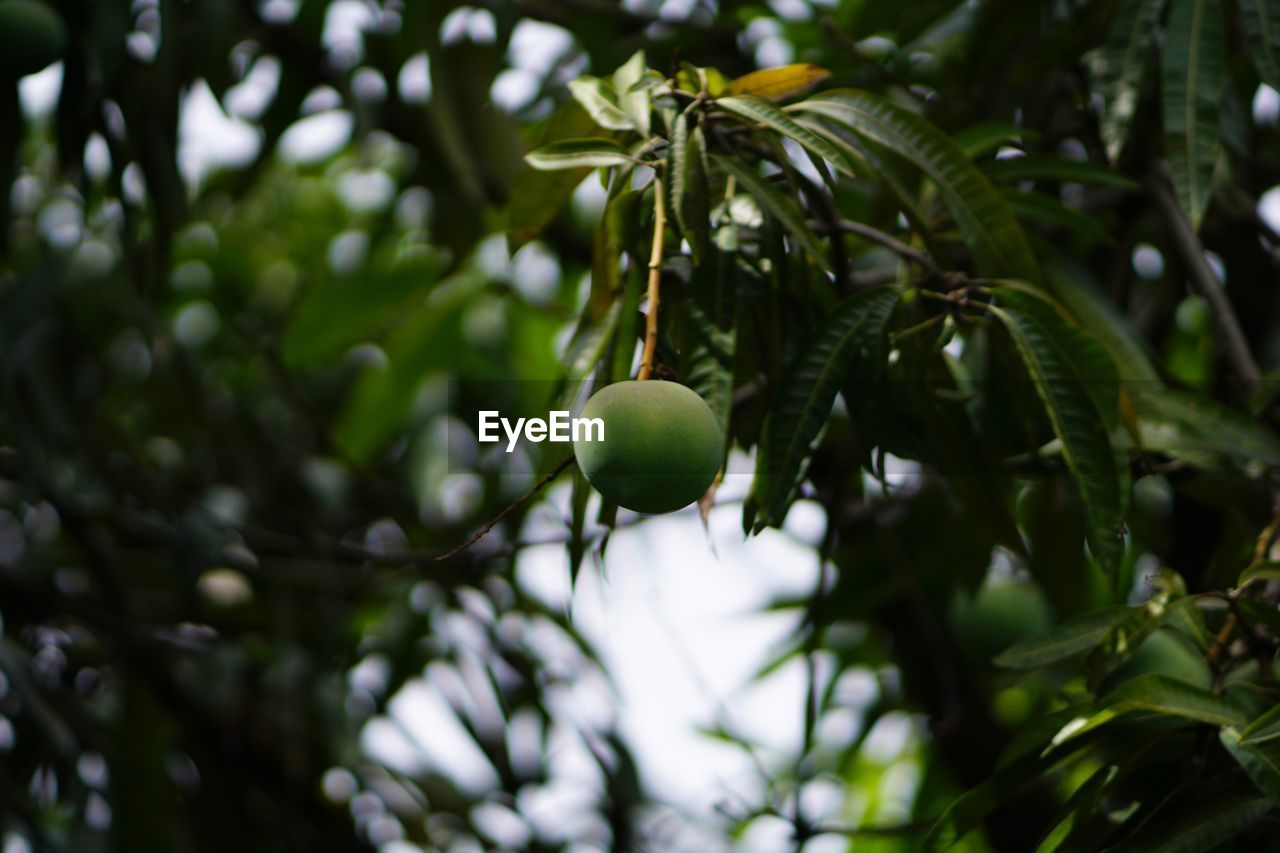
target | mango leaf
[
  {"x": 1040, "y": 167},
  {"x": 1063, "y": 641},
  {"x": 633, "y": 99},
  {"x": 1075, "y": 289},
  {"x": 1028, "y": 204},
  {"x": 852, "y": 338},
  {"x": 537, "y": 195},
  {"x": 334, "y": 316},
  {"x": 1261, "y": 762},
  {"x": 708, "y": 367},
  {"x": 1162, "y": 695},
  {"x": 690, "y": 192},
  {"x": 1203, "y": 824},
  {"x": 1262, "y": 26},
  {"x": 1076, "y": 381},
  {"x": 601, "y": 103},
  {"x": 1267, "y": 570},
  {"x": 1262, "y": 730},
  {"x": 780, "y": 83},
  {"x": 988, "y": 136},
  {"x": 758, "y": 110},
  {"x": 1199, "y": 429},
  {"x": 1194, "y": 72},
  {"x": 1118, "y": 65},
  {"x": 426, "y": 342},
  {"x": 775, "y": 203},
  {"x": 984, "y": 218},
  {"x": 579, "y": 154}
]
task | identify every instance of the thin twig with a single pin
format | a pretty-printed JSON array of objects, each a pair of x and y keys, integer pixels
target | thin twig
[
  {"x": 518, "y": 502},
  {"x": 1204, "y": 280},
  {"x": 890, "y": 242},
  {"x": 655, "y": 280}
]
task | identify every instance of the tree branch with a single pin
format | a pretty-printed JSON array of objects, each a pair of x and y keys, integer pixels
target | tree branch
[
  {"x": 516, "y": 504},
  {"x": 655, "y": 279},
  {"x": 1204, "y": 281}
]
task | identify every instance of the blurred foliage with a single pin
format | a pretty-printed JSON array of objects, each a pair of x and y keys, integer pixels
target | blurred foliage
[{"x": 989, "y": 282}]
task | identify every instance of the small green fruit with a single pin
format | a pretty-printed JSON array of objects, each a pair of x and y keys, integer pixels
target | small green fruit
[
  {"x": 661, "y": 450},
  {"x": 1164, "y": 652},
  {"x": 998, "y": 616},
  {"x": 32, "y": 36}
]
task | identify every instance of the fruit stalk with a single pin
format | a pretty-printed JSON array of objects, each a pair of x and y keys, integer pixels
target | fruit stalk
[{"x": 655, "y": 280}]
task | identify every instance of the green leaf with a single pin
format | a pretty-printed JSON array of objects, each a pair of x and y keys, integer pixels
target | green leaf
[
  {"x": 1045, "y": 208},
  {"x": 1200, "y": 429},
  {"x": 601, "y": 103},
  {"x": 986, "y": 137},
  {"x": 1076, "y": 381},
  {"x": 537, "y": 195},
  {"x": 1194, "y": 72},
  {"x": 1063, "y": 641},
  {"x": 1262, "y": 730},
  {"x": 1262, "y": 26},
  {"x": 1117, "y": 68},
  {"x": 1092, "y": 309},
  {"x": 852, "y": 338},
  {"x": 579, "y": 154},
  {"x": 690, "y": 192},
  {"x": 758, "y": 110},
  {"x": 775, "y": 203},
  {"x": 984, "y": 218},
  {"x": 1205, "y": 824},
  {"x": 1267, "y": 570},
  {"x": 1161, "y": 695},
  {"x": 708, "y": 366},
  {"x": 335, "y": 316},
  {"x": 1261, "y": 762},
  {"x": 633, "y": 99},
  {"x": 1038, "y": 167}
]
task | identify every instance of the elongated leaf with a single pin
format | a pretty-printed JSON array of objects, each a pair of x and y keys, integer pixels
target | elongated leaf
[
  {"x": 1200, "y": 826},
  {"x": 1076, "y": 382},
  {"x": 633, "y": 99},
  {"x": 1048, "y": 168},
  {"x": 775, "y": 203},
  {"x": 690, "y": 192},
  {"x": 1264, "y": 571},
  {"x": 989, "y": 227},
  {"x": 778, "y": 84},
  {"x": 1194, "y": 71},
  {"x": 1093, "y": 310},
  {"x": 758, "y": 110},
  {"x": 1118, "y": 66},
  {"x": 1262, "y": 730},
  {"x": 1199, "y": 429},
  {"x": 536, "y": 195},
  {"x": 1262, "y": 25},
  {"x": 1061, "y": 642},
  {"x": 709, "y": 363},
  {"x": 578, "y": 154},
  {"x": 333, "y": 317},
  {"x": 851, "y": 338},
  {"x": 1052, "y": 211},
  {"x": 987, "y": 137},
  {"x": 1161, "y": 695},
  {"x": 1261, "y": 762},
  {"x": 601, "y": 103}
]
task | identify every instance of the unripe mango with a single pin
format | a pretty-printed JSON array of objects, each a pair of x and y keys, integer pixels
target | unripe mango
[
  {"x": 662, "y": 445},
  {"x": 32, "y": 36}
]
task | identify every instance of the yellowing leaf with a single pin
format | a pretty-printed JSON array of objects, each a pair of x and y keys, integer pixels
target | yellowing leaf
[{"x": 778, "y": 84}]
